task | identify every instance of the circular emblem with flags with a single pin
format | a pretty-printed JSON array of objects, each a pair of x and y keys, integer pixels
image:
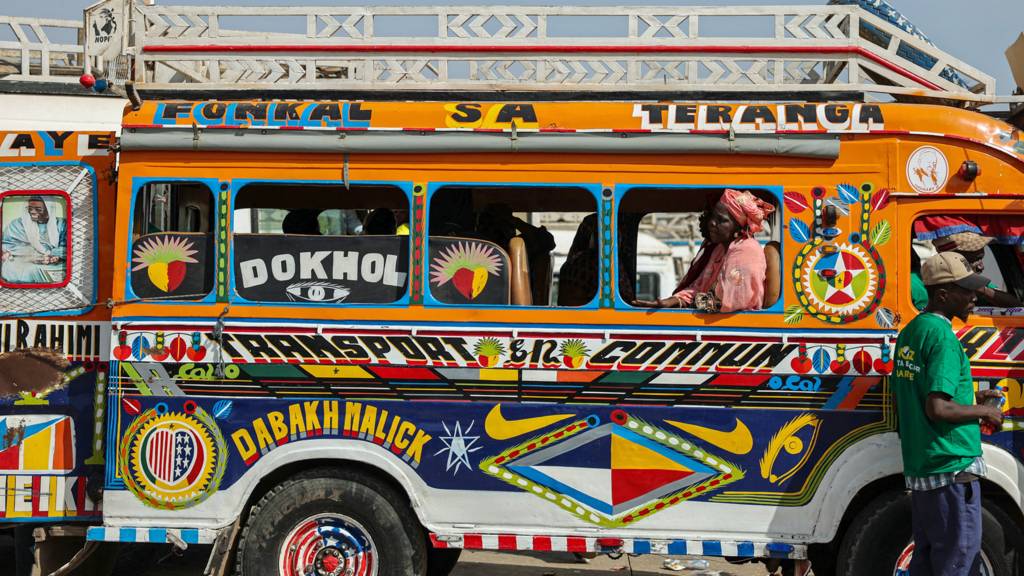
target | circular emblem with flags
[{"x": 173, "y": 458}]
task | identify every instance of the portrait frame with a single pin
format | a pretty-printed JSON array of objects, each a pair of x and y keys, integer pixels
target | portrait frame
[{"x": 6, "y": 219}]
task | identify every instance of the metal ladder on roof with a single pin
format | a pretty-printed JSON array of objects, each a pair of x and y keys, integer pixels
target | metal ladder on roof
[{"x": 598, "y": 52}]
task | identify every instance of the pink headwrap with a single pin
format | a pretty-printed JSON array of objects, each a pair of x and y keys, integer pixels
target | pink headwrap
[{"x": 747, "y": 210}]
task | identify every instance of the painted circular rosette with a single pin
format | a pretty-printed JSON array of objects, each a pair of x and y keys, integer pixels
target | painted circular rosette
[
  {"x": 840, "y": 281},
  {"x": 172, "y": 460}
]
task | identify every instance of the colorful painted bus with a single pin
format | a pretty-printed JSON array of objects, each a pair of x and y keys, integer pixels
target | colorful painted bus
[
  {"x": 314, "y": 356},
  {"x": 279, "y": 327}
]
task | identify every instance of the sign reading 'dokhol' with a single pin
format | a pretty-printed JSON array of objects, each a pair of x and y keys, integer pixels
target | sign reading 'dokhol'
[{"x": 289, "y": 268}]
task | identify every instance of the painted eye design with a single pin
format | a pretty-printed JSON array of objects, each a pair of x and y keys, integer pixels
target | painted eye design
[
  {"x": 790, "y": 448},
  {"x": 316, "y": 292}
]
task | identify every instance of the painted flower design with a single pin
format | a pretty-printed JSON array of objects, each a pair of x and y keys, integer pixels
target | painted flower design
[
  {"x": 467, "y": 265},
  {"x": 488, "y": 351},
  {"x": 574, "y": 352},
  {"x": 164, "y": 259}
]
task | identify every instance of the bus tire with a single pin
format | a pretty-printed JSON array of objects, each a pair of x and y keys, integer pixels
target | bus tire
[
  {"x": 441, "y": 561},
  {"x": 366, "y": 524},
  {"x": 880, "y": 534},
  {"x": 1002, "y": 531}
]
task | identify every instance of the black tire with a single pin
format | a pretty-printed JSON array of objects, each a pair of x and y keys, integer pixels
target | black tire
[
  {"x": 441, "y": 561},
  {"x": 879, "y": 534},
  {"x": 1009, "y": 533},
  {"x": 400, "y": 549}
]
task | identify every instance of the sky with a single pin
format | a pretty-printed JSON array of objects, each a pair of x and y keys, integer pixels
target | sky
[{"x": 977, "y": 31}]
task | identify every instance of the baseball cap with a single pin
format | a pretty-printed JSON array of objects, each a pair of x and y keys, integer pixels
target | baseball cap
[
  {"x": 962, "y": 242},
  {"x": 951, "y": 268}
]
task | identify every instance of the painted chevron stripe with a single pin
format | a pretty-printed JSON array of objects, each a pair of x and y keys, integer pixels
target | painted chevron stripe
[
  {"x": 743, "y": 549},
  {"x": 153, "y": 535}
]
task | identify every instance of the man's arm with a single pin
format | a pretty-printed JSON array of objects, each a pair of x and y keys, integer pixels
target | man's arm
[
  {"x": 998, "y": 298},
  {"x": 940, "y": 408}
]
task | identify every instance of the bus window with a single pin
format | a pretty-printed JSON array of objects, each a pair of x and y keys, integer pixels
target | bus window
[
  {"x": 36, "y": 234},
  {"x": 172, "y": 247},
  {"x": 661, "y": 228},
  {"x": 990, "y": 243},
  {"x": 321, "y": 244},
  {"x": 493, "y": 245}
]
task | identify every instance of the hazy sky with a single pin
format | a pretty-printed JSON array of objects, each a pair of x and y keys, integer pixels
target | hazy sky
[{"x": 976, "y": 31}]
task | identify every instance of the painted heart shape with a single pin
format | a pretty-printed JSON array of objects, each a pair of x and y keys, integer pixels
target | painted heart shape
[
  {"x": 883, "y": 367},
  {"x": 175, "y": 275},
  {"x": 158, "y": 354},
  {"x": 123, "y": 352},
  {"x": 178, "y": 349},
  {"x": 862, "y": 362},
  {"x": 196, "y": 354},
  {"x": 801, "y": 364},
  {"x": 463, "y": 282},
  {"x": 131, "y": 406},
  {"x": 840, "y": 367}
]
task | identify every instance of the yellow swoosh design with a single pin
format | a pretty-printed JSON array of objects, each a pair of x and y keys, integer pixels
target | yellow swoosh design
[
  {"x": 738, "y": 441},
  {"x": 499, "y": 428}
]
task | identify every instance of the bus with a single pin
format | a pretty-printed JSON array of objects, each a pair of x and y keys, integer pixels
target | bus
[
  {"x": 305, "y": 391},
  {"x": 328, "y": 332}
]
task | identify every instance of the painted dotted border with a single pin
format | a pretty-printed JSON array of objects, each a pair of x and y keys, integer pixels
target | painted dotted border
[
  {"x": 419, "y": 203},
  {"x": 729, "y": 472},
  {"x": 493, "y": 467},
  {"x": 222, "y": 243},
  {"x": 606, "y": 227}
]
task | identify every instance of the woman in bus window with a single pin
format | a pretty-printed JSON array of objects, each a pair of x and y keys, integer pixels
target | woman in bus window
[{"x": 733, "y": 277}]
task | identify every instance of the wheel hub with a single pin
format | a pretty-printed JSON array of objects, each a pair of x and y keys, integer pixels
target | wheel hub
[{"x": 328, "y": 545}]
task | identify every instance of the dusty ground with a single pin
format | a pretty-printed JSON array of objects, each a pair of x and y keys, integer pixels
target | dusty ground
[{"x": 496, "y": 564}]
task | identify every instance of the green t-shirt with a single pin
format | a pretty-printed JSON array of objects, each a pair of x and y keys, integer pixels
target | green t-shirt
[
  {"x": 929, "y": 358},
  {"x": 918, "y": 293}
]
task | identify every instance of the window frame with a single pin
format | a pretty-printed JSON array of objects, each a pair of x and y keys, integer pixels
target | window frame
[
  {"x": 989, "y": 312},
  {"x": 68, "y": 253},
  {"x": 433, "y": 187},
  {"x": 776, "y": 191},
  {"x": 405, "y": 187},
  {"x": 138, "y": 184}
]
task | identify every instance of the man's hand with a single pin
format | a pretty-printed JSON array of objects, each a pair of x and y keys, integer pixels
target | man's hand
[
  {"x": 992, "y": 415},
  {"x": 5, "y": 256},
  {"x": 983, "y": 395}
]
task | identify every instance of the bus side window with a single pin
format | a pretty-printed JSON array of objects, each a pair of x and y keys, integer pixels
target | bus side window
[
  {"x": 172, "y": 241},
  {"x": 991, "y": 243},
  {"x": 662, "y": 243},
  {"x": 321, "y": 244},
  {"x": 501, "y": 245}
]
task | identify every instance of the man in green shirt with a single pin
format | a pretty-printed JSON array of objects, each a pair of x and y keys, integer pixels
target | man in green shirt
[{"x": 939, "y": 415}]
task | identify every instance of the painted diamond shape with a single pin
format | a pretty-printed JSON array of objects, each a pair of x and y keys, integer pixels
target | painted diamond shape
[{"x": 612, "y": 474}]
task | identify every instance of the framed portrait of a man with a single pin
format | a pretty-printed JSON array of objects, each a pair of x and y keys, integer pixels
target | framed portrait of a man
[{"x": 35, "y": 234}]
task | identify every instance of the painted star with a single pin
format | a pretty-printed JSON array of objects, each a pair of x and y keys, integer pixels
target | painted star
[
  {"x": 844, "y": 269},
  {"x": 459, "y": 445}
]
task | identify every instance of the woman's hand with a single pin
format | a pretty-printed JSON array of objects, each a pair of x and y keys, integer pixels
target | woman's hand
[
  {"x": 706, "y": 302},
  {"x": 670, "y": 302}
]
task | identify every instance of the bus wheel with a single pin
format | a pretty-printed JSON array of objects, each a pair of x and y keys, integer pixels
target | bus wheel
[
  {"x": 319, "y": 526},
  {"x": 879, "y": 541},
  {"x": 441, "y": 561}
]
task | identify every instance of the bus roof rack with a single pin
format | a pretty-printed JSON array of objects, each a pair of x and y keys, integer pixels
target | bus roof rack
[{"x": 416, "y": 52}]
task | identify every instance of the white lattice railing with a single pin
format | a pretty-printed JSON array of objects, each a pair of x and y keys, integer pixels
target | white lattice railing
[
  {"x": 750, "y": 49},
  {"x": 33, "y": 56}
]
